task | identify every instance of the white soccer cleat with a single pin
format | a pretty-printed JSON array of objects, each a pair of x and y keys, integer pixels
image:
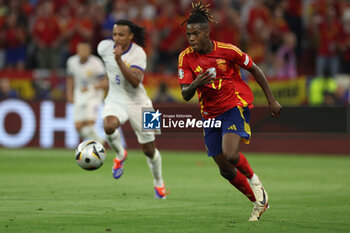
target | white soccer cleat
[
  {"x": 262, "y": 199},
  {"x": 258, "y": 210}
]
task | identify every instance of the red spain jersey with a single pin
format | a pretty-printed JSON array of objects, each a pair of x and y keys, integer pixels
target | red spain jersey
[{"x": 228, "y": 89}]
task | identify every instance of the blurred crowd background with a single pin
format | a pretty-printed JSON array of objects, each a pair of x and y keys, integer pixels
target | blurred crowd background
[{"x": 288, "y": 39}]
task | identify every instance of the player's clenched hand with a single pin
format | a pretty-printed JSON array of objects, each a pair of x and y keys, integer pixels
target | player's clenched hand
[
  {"x": 275, "y": 109},
  {"x": 118, "y": 51},
  {"x": 203, "y": 79}
]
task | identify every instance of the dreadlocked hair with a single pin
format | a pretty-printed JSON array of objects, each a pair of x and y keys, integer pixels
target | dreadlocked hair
[
  {"x": 139, "y": 32},
  {"x": 199, "y": 14}
]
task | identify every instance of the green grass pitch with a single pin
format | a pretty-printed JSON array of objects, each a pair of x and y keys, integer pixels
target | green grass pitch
[{"x": 45, "y": 191}]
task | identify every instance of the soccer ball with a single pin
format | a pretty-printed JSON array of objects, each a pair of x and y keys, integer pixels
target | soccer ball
[{"x": 90, "y": 155}]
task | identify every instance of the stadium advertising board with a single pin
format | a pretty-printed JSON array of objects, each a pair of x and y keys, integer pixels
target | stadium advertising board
[
  {"x": 291, "y": 92},
  {"x": 48, "y": 124},
  {"x": 43, "y": 124}
]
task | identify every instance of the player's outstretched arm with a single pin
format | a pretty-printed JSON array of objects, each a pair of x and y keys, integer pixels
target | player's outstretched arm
[
  {"x": 133, "y": 75},
  {"x": 275, "y": 107},
  {"x": 189, "y": 90}
]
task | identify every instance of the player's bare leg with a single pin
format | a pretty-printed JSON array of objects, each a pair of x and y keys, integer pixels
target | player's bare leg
[
  {"x": 154, "y": 161},
  {"x": 87, "y": 130},
  {"x": 230, "y": 146},
  {"x": 111, "y": 125}
]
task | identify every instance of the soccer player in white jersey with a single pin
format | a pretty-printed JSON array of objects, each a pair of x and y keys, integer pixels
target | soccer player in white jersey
[
  {"x": 125, "y": 62},
  {"x": 85, "y": 88}
]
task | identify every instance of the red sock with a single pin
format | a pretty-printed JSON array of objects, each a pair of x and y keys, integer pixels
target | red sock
[
  {"x": 241, "y": 183},
  {"x": 244, "y": 167}
]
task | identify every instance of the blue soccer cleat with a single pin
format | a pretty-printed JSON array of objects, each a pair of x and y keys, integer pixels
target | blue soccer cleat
[{"x": 118, "y": 166}]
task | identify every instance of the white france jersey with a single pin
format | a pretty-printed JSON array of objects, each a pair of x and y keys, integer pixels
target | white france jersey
[
  {"x": 120, "y": 90},
  {"x": 86, "y": 75}
]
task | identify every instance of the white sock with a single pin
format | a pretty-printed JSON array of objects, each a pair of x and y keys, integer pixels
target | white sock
[
  {"x": 254, "y": 179},
  {"x": 155, "y": 165},
  {"x": 93, "y": 134},
  {"x": 115, "y": 143},
  {"x": 84, "y": 132}
]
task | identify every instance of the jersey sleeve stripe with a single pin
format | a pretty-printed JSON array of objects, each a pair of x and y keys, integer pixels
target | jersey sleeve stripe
[
  {"x": 228, "y": 46},
  {"x": 138, "y": 67},
  {"x": 181, "y": 57},
  {"x": 100, "y": 76}
]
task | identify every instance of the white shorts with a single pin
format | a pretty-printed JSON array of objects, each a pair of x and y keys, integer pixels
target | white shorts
[
  {"x": 131, "y": 112},
  {"x": 87, "y": 111}
]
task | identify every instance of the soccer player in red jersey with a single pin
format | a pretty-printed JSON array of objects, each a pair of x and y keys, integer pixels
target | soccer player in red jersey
[{"x": 212, "y": 69}]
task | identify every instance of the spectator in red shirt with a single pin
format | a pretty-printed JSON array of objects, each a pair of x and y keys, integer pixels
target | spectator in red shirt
[
  {"x": 15, "y": 38},
  {"x": 65, "y": 20},
  {"x": 259, "y": 12},
  {"x": 169, "y": 38},
  {"x": 3, "y": 10},
  {"x": 345, "y": 43},
  {"x": 98, "y": 16},
  {"x": 81, "y": 29},
  {"x": 47, "y": 37},
  {"x": 257, "y": 43},
  {"x": 229, "y": 30},
  {"x": 327, "y": 33},
  {"x": 259, "y": 31},
  {"x": 143, "y": 13}
]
